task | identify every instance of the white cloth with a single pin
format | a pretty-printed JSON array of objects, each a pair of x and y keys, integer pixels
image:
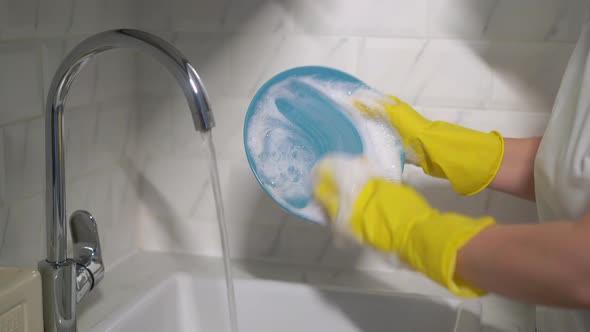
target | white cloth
[{"x": 562, "y": 168}]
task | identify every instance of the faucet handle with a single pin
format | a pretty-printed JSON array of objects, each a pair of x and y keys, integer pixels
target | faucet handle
[{"x": 86, "y": 242}]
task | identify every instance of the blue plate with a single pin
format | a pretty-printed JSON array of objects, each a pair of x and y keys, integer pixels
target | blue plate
[{"x": 304, "y": 125}]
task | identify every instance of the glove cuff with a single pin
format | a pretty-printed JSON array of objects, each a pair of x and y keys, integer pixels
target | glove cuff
[
  {"x": 469, "y": 159},
  {"x": 433, "y": 246}
]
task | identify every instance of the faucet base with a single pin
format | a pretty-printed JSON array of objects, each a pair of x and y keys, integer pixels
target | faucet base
[{"x": 59, "y": 295}]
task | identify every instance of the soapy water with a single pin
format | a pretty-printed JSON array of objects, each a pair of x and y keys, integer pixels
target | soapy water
[{"x": 287, "y": 136}]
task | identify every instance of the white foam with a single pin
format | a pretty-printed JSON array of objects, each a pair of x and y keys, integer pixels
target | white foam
[{"x": 286, "y": 167}]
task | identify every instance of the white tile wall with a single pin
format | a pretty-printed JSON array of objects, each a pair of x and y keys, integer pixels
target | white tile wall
[
  {"x": 474, "y": 63},
  {"x": 468, "y": 62},
  {"x": 527, "y": 76},
  {"x": 259, "y": 16},
  {"x": 34, "y": 36},
  {"x": 20, "y": 87},
  {"x": 87, "y": 16},
  {"x": 115, "y": 74},
  {"x": 374, "y": 18},
  {"x": 112, "y": 130},
  {"x": 24, "y": 238},
  {"x": 503, "y": 20},
  {"x": 199, "y": 16},
  {"x": 55, "y": 18},
  {"x": 24, "y": 159},
  {"x": 340, "y": 52},
  {"x": 18, "y": 18}
]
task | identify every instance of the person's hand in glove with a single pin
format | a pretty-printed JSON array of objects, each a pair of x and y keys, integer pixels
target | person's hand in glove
[
  {"x": 469, "y": 159},
  {"x": 394, "y": 218}
]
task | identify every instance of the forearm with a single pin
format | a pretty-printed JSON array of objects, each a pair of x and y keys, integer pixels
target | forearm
[
  {"x": 541, "y": 264},
  {"x": 516, "y": 174}
]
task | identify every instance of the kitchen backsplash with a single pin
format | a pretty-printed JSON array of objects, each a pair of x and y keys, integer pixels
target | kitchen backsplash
[
  {"x": 99, "y": 126},
  {"x": 470, "y": 62}
]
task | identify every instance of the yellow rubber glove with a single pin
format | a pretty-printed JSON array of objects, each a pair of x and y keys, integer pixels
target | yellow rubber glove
[
  {"x": 394, "y": 218},
  {"x": 469, "y": 159}
]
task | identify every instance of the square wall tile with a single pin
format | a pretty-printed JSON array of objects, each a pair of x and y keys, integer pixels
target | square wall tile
[
  {"x": 120, "y": 14},
  {"x": 255, "y": 241},
  {"x": 199, "y": 15},
  {"x": 258, "y": 16},
  {"x": 526, "y": 76},
  {"x": 304, "y": 50},
  {"x": 303, "y": 242},
  {"x": 154, "y": 15},
  {"x": 112, "y": 131},
  {"x": 2, "y": 171},
  {"x": 24, "y": 157},
  {"x": 80, "y": 132},
  {"x": 117, "y": 232},
  {"x": 173, "y": 186},
  {"x": 460, "y": 18},
  {"x": 200, "y": 238},
  {"x": 21, "y": 82},
  {"x": 88, "y": 16},
  {"x": 502, "y": 20},
  {"x": 24, "y": 238},
  {"x": 373, "y": 18},
  {"x": 569, "y": 20},
  {"x": 497, "y": 20},
  {"x": 228, "y": 64},
  {"x": 55, "y": 18},
  {"x": 99, "y": 199},
  {"x": 78, "y": 194},
  {"x": 446, "y": 73},
  {"x": 116, "y": 74},
  {"x": 124, "y": 198},
  {"x": 505, "y": 21},
  {"x": 17, "y": 18},
  {"x": 502, "y": 314},
  {"x": 228, "y": 134},
  {"x": 388, "y": 64},
  {"x": 250, "y": 55},
  {"x": 154, "y": 121},
  {"x": 294, "y": 242}
]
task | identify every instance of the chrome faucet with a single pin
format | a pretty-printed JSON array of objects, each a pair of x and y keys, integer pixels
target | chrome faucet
[{"x": 67, "y": 280}]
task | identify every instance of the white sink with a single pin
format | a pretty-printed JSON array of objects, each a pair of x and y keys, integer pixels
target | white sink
[{"x": 183, "y": 302}]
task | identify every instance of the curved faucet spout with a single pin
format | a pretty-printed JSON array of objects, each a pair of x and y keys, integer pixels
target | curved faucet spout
[{"x": 181, "y": 69}]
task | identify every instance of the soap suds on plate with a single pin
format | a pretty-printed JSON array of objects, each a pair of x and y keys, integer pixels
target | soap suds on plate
[{"x": 284, "y": 151}]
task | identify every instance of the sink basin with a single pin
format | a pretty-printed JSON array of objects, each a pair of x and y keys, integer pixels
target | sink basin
[{"x": 183, "y": 302}]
